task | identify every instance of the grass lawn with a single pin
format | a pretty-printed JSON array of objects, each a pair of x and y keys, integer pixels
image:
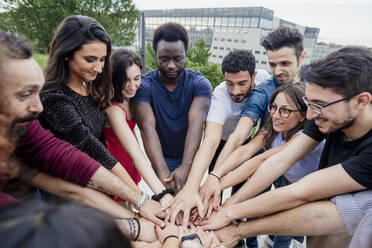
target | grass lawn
[{"x": 41, "y": 59}]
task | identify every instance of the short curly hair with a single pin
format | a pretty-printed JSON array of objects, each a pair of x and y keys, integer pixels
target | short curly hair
[
  {"x": 170, "y": 32},
  {"x": 239, "y": 60},
  {"x": 284, "y": 37}
]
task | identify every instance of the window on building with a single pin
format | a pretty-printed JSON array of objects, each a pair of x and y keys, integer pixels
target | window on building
[
  {"x": 222, "y": 48},
  {"x": 222, "y": 39},
  {"x": 228, "y": 49},
  {"x": 264, "y": 52},
  {"x": 215, "y": 48},
  {"x": 257, "y": 61},
  {"x": 243, "y": 41},
  {"x": 229, "y": 40},
  {"x": 263, "y": 62},
  {"x": 215, "y": 39},
  {"x": 220, "y": 57},
  {"x": 214, "y": 56},
  {"x": 257, "y": 52},
  {"x": 236, "y": 40}
]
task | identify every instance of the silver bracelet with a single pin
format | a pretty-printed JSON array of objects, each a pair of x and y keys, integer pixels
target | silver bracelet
[{"x": 142, "y": 202}]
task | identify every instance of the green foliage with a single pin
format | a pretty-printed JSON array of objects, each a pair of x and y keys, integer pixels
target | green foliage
[
  {"x": 197, "y": 59},
  {"x": 38, "y": 19},
  {"x": 199, "y": 52},
  {"x": 41, "y": 59}
]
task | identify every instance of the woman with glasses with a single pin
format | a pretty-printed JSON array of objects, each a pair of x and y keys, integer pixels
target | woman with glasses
[{"x": 287, "y": 119}]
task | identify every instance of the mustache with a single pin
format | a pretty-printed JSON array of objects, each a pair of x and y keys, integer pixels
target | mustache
[{"x": 28, "y": 118}]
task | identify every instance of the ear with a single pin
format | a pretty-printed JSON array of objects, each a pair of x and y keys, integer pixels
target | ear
[
  {"x": 363, "y": 99},
  {"x": 302, "y": 57},
  {"x": 252, "y": 79}
]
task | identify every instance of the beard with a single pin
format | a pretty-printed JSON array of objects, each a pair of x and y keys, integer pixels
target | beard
[
  {"x": 239, "y": 97},
  {"x": 17, "y": 131}
]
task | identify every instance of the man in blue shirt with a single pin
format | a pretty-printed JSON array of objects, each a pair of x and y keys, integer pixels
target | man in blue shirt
[
  {"x": 171, "y": 106},
  {"x": 285, "y": 53}
]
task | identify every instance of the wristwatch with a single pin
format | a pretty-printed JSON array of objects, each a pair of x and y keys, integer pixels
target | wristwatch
[
  {"x": 142, "y": 202},
  {"x": 188, "y": 241}
]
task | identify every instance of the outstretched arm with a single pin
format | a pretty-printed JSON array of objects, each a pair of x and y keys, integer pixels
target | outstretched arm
[
  {"x": 146, "y": 122},
  {"x": 196, "y": 117},
  {"x": 116, "y": 118}
]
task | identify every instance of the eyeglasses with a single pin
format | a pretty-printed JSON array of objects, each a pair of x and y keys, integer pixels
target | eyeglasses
[
  {"x": 283, "y": 112},
  {"x": 318, "y": 109}
]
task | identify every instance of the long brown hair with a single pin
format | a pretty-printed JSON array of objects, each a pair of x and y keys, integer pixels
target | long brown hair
[
  {"x": 71, "y": 35},
  {"x": 295, "y": 93}
]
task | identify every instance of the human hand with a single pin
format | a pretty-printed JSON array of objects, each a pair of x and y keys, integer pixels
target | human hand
[
  {"x": 179, "y": 177},
  {"x": 169, "y": 229},
  {"x": 228, "y": 236},
  {"x": 217, "y": 220},
  {"x": 152, "y": 211},
  {"x": 184, "y": 201},
  {"x": 210, "y": 194},
  {"x": 166, "y": 200}
]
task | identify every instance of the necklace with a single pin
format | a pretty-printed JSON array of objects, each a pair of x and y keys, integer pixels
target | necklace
[{"x": 85, "y": 84}]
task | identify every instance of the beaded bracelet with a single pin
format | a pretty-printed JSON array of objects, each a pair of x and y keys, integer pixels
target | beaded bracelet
[{"x": 139, "y": 229}]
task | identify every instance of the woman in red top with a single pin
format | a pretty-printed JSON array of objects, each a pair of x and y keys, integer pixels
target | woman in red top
[{"x": 119, "y": 131}]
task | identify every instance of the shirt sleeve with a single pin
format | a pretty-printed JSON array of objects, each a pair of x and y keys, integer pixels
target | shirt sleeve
[
  {"x": 56, "y": 157},
  {"x": 359, "y": 167},
  {"x": 256, "y": 104},
  {"x": 61, "y": 116},
  {"x": 143, "y": 93},
  {"x": 202, "y": 87},
  {"x": 218, "y": 111},
  {"x": 312, "y": 130}
]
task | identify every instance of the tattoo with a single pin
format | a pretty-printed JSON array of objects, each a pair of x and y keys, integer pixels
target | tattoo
[{"x": 99, "y": 188}]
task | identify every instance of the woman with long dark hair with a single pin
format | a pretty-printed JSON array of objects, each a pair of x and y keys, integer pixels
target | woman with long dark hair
[{"x": 78, "y": 89}]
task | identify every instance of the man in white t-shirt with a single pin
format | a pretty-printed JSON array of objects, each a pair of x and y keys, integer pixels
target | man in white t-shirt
[{"x": 228, "y": 100}]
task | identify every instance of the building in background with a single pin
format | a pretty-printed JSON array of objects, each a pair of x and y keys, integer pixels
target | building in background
[
  {"x": 322, "y": 49},
  {"x": 227, "y": 29}
]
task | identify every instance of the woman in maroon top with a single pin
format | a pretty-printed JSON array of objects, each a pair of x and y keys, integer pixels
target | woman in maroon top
[{"x": 119, "y": 130}]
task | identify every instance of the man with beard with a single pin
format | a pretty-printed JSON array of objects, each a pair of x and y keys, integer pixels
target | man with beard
[
  {"x": 338, "y": 96},
  {"x": 171, "y": 106},
  {"x": 228, "y": 100},
  {"x": 20, "y": 82},
  {"x": 285, "y": 53}
]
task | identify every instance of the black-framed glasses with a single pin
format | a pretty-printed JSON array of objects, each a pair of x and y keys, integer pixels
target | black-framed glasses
[
  {"x": 283, "y": 112},
  {"x": 318, "y": 108}
]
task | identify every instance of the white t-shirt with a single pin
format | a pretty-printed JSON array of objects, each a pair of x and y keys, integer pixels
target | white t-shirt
[
  {"x": 308, "y": 164},
  {"x": 224, "y": 110}
]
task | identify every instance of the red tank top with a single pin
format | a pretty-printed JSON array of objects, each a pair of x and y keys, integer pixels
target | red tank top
[{"x": 115, "y": 148}]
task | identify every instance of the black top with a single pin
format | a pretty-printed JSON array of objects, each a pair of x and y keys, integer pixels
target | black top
[
  {"x": 76, "y": 119},
  {"x": 355, "y": 156}
]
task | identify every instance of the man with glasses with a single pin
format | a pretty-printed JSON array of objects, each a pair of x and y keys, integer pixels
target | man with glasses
[
  {"x": 339, "y": 96},
  {"x": 170, "y": 107}
]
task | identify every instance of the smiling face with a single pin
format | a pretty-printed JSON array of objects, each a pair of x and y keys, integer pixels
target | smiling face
[
  {"x": 133, "y": 81},
  {"x": 88, "y": 62},
  {"x": 285, "y": 124},
  {"x": 239, "y": 84},
  {"x": 284, "y": 64},
  {"x": 171, "y": 58},
  {"x": 334, "y": 117},
  {"x": 22, "y": 81}
]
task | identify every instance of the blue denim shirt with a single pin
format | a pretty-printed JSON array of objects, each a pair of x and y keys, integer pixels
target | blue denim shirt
[{"x": 259, "y": 99}]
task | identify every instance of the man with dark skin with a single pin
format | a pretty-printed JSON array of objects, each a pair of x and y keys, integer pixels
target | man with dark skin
[{"x": 171, "y": 106}]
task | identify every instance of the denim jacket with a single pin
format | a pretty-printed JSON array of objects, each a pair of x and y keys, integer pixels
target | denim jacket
[{"x": 259, "y": 99}]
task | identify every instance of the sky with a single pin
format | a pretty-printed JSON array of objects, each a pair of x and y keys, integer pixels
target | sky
[{"x": 345, "y": 22}]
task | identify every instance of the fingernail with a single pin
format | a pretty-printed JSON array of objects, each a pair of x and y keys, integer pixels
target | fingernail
[
  {"x": 154, "y": 227},
  {"x": 179, "y": 224},
  {"x": 198, "y": 219},
  {"x": 192, "y": 218},
  {"x": 216, "y": 207}
]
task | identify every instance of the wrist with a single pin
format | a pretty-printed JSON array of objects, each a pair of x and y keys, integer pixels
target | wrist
[
  {"x": 217, "y": 172},
  {"x": 171, "y": 238},
  {"x": 141, "y": 202}
]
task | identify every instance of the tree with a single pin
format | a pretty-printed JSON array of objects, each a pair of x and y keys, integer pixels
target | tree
[
  {"x": 38, "y": 19},
  {"x": 199, "y": 52}
]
